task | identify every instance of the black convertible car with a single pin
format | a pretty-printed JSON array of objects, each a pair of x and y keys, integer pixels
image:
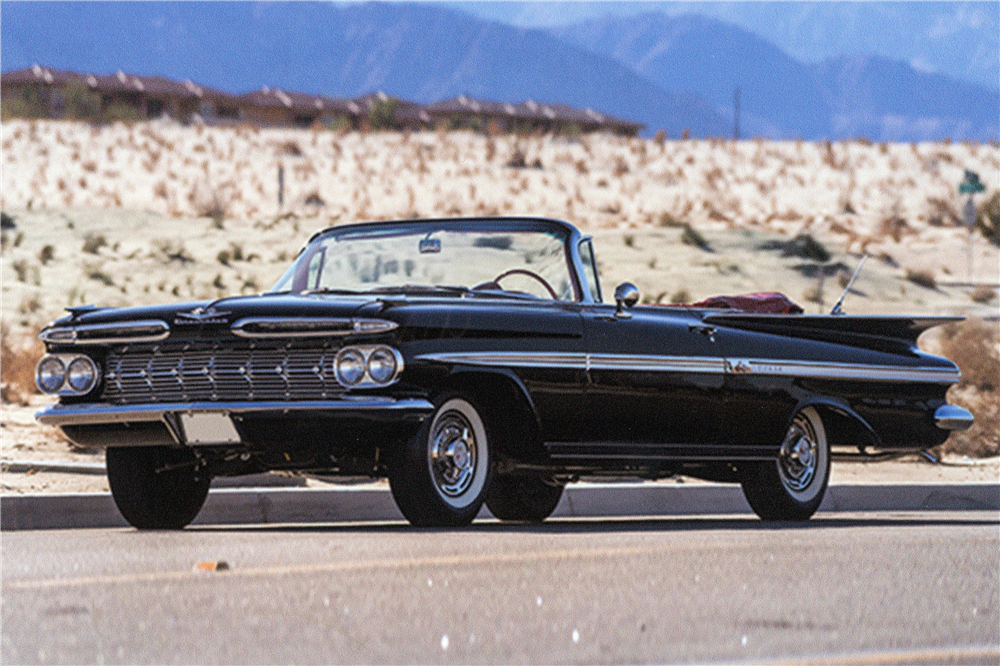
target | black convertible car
[{"x": 472, "y": 361}]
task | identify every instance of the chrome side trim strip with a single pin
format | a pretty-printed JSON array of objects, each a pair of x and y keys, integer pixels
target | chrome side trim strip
[
  {"x": 636, "y": 363},
  {"x": 84, "y": 414},
  {"x": 304, "y": 327},
  {"x": 699, "y": 364},
  {"x": 953, "y": 417},
  {"x": 855, "y": 371},
  {"x": 568, "y": 360},
  {"x": 154, "y": 330}
]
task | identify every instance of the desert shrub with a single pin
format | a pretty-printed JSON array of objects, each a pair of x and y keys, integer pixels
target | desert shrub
[
  {"x": 46, "y": 254},
  {"x": 7, "y": 221},
  {"x": 669, "y": 221},
  {"x": 692, "y": 236},
  {"x": 629, "y": 240},
  {"x": 291, "y": 148},
  {"x": 680, "y": 296},
  {"x": 20, "y": 270},
  {"x": 17, "y": 366},
  {"x": 975, "y": 346},
  {"x": 213, "y": 204},
  {"x": 989, "y": 218},
  {"x": 96, "y": 274},
  {"x": 82, "y": 103},
  {"x": 26, "y": 105},
  {"x": 921, "y": 278},
  {"x": 382, "y": 115},
  {"x": 120, "y": 112},
  {"x": 170, "y": 251},
  {"x": 803, "y": 246},
  {"x": 982, "y": 294},
  {"x": 518, "y": 160},
  {"x": 92, "y": 243}
]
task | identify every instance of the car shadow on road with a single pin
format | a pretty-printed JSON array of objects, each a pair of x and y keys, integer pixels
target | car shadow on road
[{"x": 619, "y": 524}]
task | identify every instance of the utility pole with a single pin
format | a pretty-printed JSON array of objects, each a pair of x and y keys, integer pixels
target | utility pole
[{"x": 736, "y": 114}]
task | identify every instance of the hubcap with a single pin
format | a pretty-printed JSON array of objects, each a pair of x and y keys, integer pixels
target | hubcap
[
  {"x": 799, "y": 454},
  {"x": 453, "y": 453}
]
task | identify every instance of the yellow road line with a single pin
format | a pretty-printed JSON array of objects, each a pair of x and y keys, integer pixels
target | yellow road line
[
  {"x": 331, "y": 567},
  {"x": 936, "y": 655}
]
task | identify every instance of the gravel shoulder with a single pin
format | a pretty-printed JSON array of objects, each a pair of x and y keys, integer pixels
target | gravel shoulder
[{"x": 23, "y": 439}]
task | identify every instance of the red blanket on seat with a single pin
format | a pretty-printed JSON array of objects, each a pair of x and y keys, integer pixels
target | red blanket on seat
[{"x": 767, "y": 302}]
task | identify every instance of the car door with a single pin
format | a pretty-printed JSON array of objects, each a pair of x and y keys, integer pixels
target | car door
[{"x": 654, "y": 376}]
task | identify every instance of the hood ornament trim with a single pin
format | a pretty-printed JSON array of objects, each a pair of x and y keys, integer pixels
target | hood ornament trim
[{"x": 306, "y": 327}]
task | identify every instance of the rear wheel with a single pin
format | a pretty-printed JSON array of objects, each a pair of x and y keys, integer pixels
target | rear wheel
[
  {"x": 156, "y": 487},
  {"x": 523, "y": 498},
  {"x": 792, "y": 487},
  {"x": 440, "y": 477}
]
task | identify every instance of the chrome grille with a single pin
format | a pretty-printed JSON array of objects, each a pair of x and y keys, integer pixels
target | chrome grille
[{"x": 192, "y": 372}]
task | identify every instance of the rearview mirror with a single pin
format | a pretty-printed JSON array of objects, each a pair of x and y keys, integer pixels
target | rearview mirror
[{"x": 626, "y": 295}]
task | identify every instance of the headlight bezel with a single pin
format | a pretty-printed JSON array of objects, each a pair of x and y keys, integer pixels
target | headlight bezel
[
  {"x": 65, "y": 387},
  {"x": 365, "y": 353}
]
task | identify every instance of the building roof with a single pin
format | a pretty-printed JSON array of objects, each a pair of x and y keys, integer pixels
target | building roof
[
  {"x": 405, "y": 111},
  {"x": 302, "y": 102},
  {"x": 119, "y": 82}
]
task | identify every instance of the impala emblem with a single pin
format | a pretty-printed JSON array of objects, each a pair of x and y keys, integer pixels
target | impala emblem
[
  {"x": 201, "y": 316},
  {"x": 739, "y": 367}
]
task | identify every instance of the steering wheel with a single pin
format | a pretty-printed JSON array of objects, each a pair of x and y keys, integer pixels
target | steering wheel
[{"x": 531, "y": 274}]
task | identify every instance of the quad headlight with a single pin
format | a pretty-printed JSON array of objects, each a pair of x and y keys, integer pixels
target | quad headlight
[
  {"x": 66, "y": 374},
  {"x": 50, "y": 374},
  {"x": 381, "y": 365},
  {"x": 350, "y": 366},
  {"x": 368, "y": 366}
]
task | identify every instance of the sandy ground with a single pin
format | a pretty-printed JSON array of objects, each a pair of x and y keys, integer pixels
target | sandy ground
[{"x": 156, "y": 212}]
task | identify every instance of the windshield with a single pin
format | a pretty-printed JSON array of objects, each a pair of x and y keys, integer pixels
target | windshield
[{"x": 522, "y": 260}]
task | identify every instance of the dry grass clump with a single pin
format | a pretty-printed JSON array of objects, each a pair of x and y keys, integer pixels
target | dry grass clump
[
  {"x": 17, "y": 366},
  {"x": 921, "y": 278},
  {"x": 975, "y": 346},
  {"x": 692, "y": 236},
  {"x": 982, "y": 294}
]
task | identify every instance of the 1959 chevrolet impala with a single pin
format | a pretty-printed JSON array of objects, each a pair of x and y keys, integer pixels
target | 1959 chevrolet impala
[{"x": 472, "y": 361}]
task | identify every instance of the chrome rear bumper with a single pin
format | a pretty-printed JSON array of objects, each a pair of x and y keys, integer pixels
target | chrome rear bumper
[{"x": 952, "y": 417}]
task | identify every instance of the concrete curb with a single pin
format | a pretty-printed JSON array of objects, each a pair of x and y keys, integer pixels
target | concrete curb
[{"x": 254, "y": 506}]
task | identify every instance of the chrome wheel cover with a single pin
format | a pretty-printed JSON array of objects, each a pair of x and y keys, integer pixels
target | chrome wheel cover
[
  {"x": 453, "y": 453},
  {"x": 800, "y": 455}
]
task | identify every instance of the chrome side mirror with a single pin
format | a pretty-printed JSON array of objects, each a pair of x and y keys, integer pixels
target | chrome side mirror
[{"x": 626, "y": 295}]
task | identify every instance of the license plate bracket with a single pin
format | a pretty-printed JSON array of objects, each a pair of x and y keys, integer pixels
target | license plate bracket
[{"x": 209, "y": 428}]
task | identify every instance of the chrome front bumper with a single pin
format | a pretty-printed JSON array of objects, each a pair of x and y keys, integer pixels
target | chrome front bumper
[
  {"x": 362, "y": 406},
  {"x": 952, "y": 417}
]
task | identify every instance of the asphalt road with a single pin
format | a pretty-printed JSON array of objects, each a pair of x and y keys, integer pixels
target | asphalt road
[{"x": 844, "y": 588}]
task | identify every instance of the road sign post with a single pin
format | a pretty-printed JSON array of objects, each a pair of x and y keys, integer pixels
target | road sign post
[{"x": 971, "y": 185}]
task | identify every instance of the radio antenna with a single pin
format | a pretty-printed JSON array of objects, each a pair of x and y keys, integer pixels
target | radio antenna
[{"x": 836, "y": 308}]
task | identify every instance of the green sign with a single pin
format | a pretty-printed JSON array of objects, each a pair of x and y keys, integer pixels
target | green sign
[{"x": 971, "y": 184}]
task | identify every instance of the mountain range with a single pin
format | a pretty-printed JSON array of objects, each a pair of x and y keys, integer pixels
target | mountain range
[{"x": 667, "y": 72}]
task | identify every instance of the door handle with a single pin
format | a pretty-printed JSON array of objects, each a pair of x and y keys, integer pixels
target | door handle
[{"x": 704, "y": 329}]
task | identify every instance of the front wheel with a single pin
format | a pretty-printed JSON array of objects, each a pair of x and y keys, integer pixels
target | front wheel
[
  {"x": 156, "y": 487},
  {"x": 440, "y": 477},
  {"x": 792, "y": 487}
]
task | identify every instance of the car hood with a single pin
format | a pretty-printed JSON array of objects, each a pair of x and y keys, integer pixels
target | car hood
[
  {"x": 227, "y": 310},
  {"x": 419, "y": 316}
]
